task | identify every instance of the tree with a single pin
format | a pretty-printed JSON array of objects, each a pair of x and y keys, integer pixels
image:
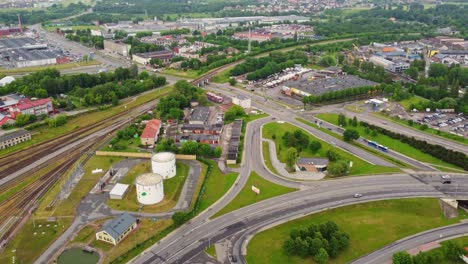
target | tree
[
  {"x": 232, "y": 81},
  {"x": 22, "y": 120},
  {"x": 180, "y": 218},
  {"x": 413, "y": 73},
  {"x": 291, "y": 157},
  {"x": 332, "y": 155},
  {"x": 402, "y": 258},
  {"x": 321, "y": 257},
  {"x": 338, "y": 168},
  {"x": 354, "y": 122},
  {"x": 341, "y": 120},
  {"x": 453, "y": 251},
  {"x": 437, "y": 70},
  {"x": 341, "y": 58},
  {"x": 234, "y": 112},
  {"x": 314, "y": 146},
  {"x": 217, "y": 152},
  {"x": 189, "y": 147},
  {"x": 350, "y": 135}
]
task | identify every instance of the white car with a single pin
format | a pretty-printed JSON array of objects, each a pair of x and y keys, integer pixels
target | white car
[{"x": 357, "y": 195}]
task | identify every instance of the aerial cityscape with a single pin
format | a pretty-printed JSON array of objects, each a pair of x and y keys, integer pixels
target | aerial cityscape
[{"x": 245, "y": 131}]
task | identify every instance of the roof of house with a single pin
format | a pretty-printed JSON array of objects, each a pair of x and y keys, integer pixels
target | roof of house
[
  {"x": 12, "y": 135},
  {"x": 151, "y": 129},
  {"x": 118, "y": 225},
  {"x": 6, "y": 80},
  {"x": 3, "y": 119},
  {"x": 28, "y": 104},
  {"x": 312, "y": 161}
]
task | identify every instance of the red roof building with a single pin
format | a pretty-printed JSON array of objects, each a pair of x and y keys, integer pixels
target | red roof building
[
  {"x": 151, "y": 132},
  {"x": 29, "y": 107},
  {"x": 5, "y": 120}
]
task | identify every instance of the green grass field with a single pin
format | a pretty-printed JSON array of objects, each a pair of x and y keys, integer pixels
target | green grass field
[
  {"x": 65, "y": 66},
  {"x": 412, "y": 100},
  {"x": 211, "y": 250},
  {"x": 217, "y": 184},
  {"x": 360, "y": 167},
  {"x": 190, "y": 74},
  {"x": 222, "y": 77},
  {"x": 370, "y": 226},
  {"x": 172, "y": 190},
  {"x": 391, "y": 143},
  {"x": 247, "y": 196},
  {"x": 34, "y": 238}
]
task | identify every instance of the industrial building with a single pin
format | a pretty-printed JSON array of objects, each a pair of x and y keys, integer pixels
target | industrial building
[
  {"x": 242, "y": 101},
  {"x": 150, "y": 134},
  {"x": 164, "y": 164},
  {"x": 118, "y": 191},
  {"x": 30, "y": 107},
  {"x": 200, "y": 138},
  {"x": 27, "y": 52},
  {"x": 389, "y": 65},
  {"x": 144, "y": 58},
  {"x": 149, "y": 188},
  {"x": 118, "y": 47},
  {"x": 14, "y": 138},
  {"x": 199, "y": 115},
  {"x": 317, "y": 84},
  {"x": 117, "y": 229}
]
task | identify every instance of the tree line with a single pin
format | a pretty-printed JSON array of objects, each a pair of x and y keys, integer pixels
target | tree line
[{"x": 449, "y": 251}]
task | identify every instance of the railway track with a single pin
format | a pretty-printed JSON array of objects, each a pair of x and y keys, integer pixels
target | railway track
[{"x": 17, "y": 208}]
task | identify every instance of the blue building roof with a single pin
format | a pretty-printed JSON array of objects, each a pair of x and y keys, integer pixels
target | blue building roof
[{"x": 119, "y": 225}]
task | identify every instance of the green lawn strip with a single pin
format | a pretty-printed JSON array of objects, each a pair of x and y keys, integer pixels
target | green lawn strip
[
  {"x": 429, "y": 130},
  {"x": 392, "y": 144},
  {"x": 132, "y": 145},
  {"x": 182, "y": 74},
  {"x": 247, "y": 196},
  {"x": 217, "y": 184},
  {"x": 211, "y": 250},
  {"x": 222, "y": 77},
  {"x": 446, "y": 169},
  {"x": 45, "y": 132},
  {"x": 371, "y": 226},
  {"x": 172, "y": 190},
  {"x": 27, "y": 246},
  {"x": 267, "y": 158},
  {"x": 415, "y": 100},
  {"x": 360, "y": 167},
  {"x": 65, "y": 66},
  {"x": 366, "y": 148}
]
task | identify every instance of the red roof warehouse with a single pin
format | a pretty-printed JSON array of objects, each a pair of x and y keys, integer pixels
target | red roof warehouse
[
  {"x": 150, "y": 133},
  {"x": 29, "y": 107}
]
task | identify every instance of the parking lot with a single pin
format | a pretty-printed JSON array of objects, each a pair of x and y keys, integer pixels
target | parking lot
[{"x": 449, "y": 122}]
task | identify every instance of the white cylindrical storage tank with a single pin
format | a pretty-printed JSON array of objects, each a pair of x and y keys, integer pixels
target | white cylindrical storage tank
[
  {"x": 164, "y": 164},
  {"x": 149, "y": 188}
]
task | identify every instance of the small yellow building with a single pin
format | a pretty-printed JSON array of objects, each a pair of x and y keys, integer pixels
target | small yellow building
[{"x": 117, "y": 229}]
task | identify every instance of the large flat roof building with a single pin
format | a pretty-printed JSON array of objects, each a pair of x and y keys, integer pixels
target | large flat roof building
[{"x": 199, "y": 115}]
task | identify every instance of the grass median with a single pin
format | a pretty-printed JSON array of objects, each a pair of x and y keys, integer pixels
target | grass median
[
  {"x": 248, "y": 197},
  {"x": 275, "y": 132},
  {"x": 389, "y": 142},
  {"x": 370, "y": 225}
]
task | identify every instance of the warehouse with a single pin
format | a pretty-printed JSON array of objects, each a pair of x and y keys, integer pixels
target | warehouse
[
  {"x": 14, "y": 138},
  {"x": 215, "y": 129},
  {"x": 200, "y": 138},
  {"x": 311, "y": 85},
  {"x": 117, "y": 229},
  {"x": 234, "y": 142},
  {"x": 117, "y": 47},
  {"x": 144, "y": 58},
  {"x": 20, "y": 58}
]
